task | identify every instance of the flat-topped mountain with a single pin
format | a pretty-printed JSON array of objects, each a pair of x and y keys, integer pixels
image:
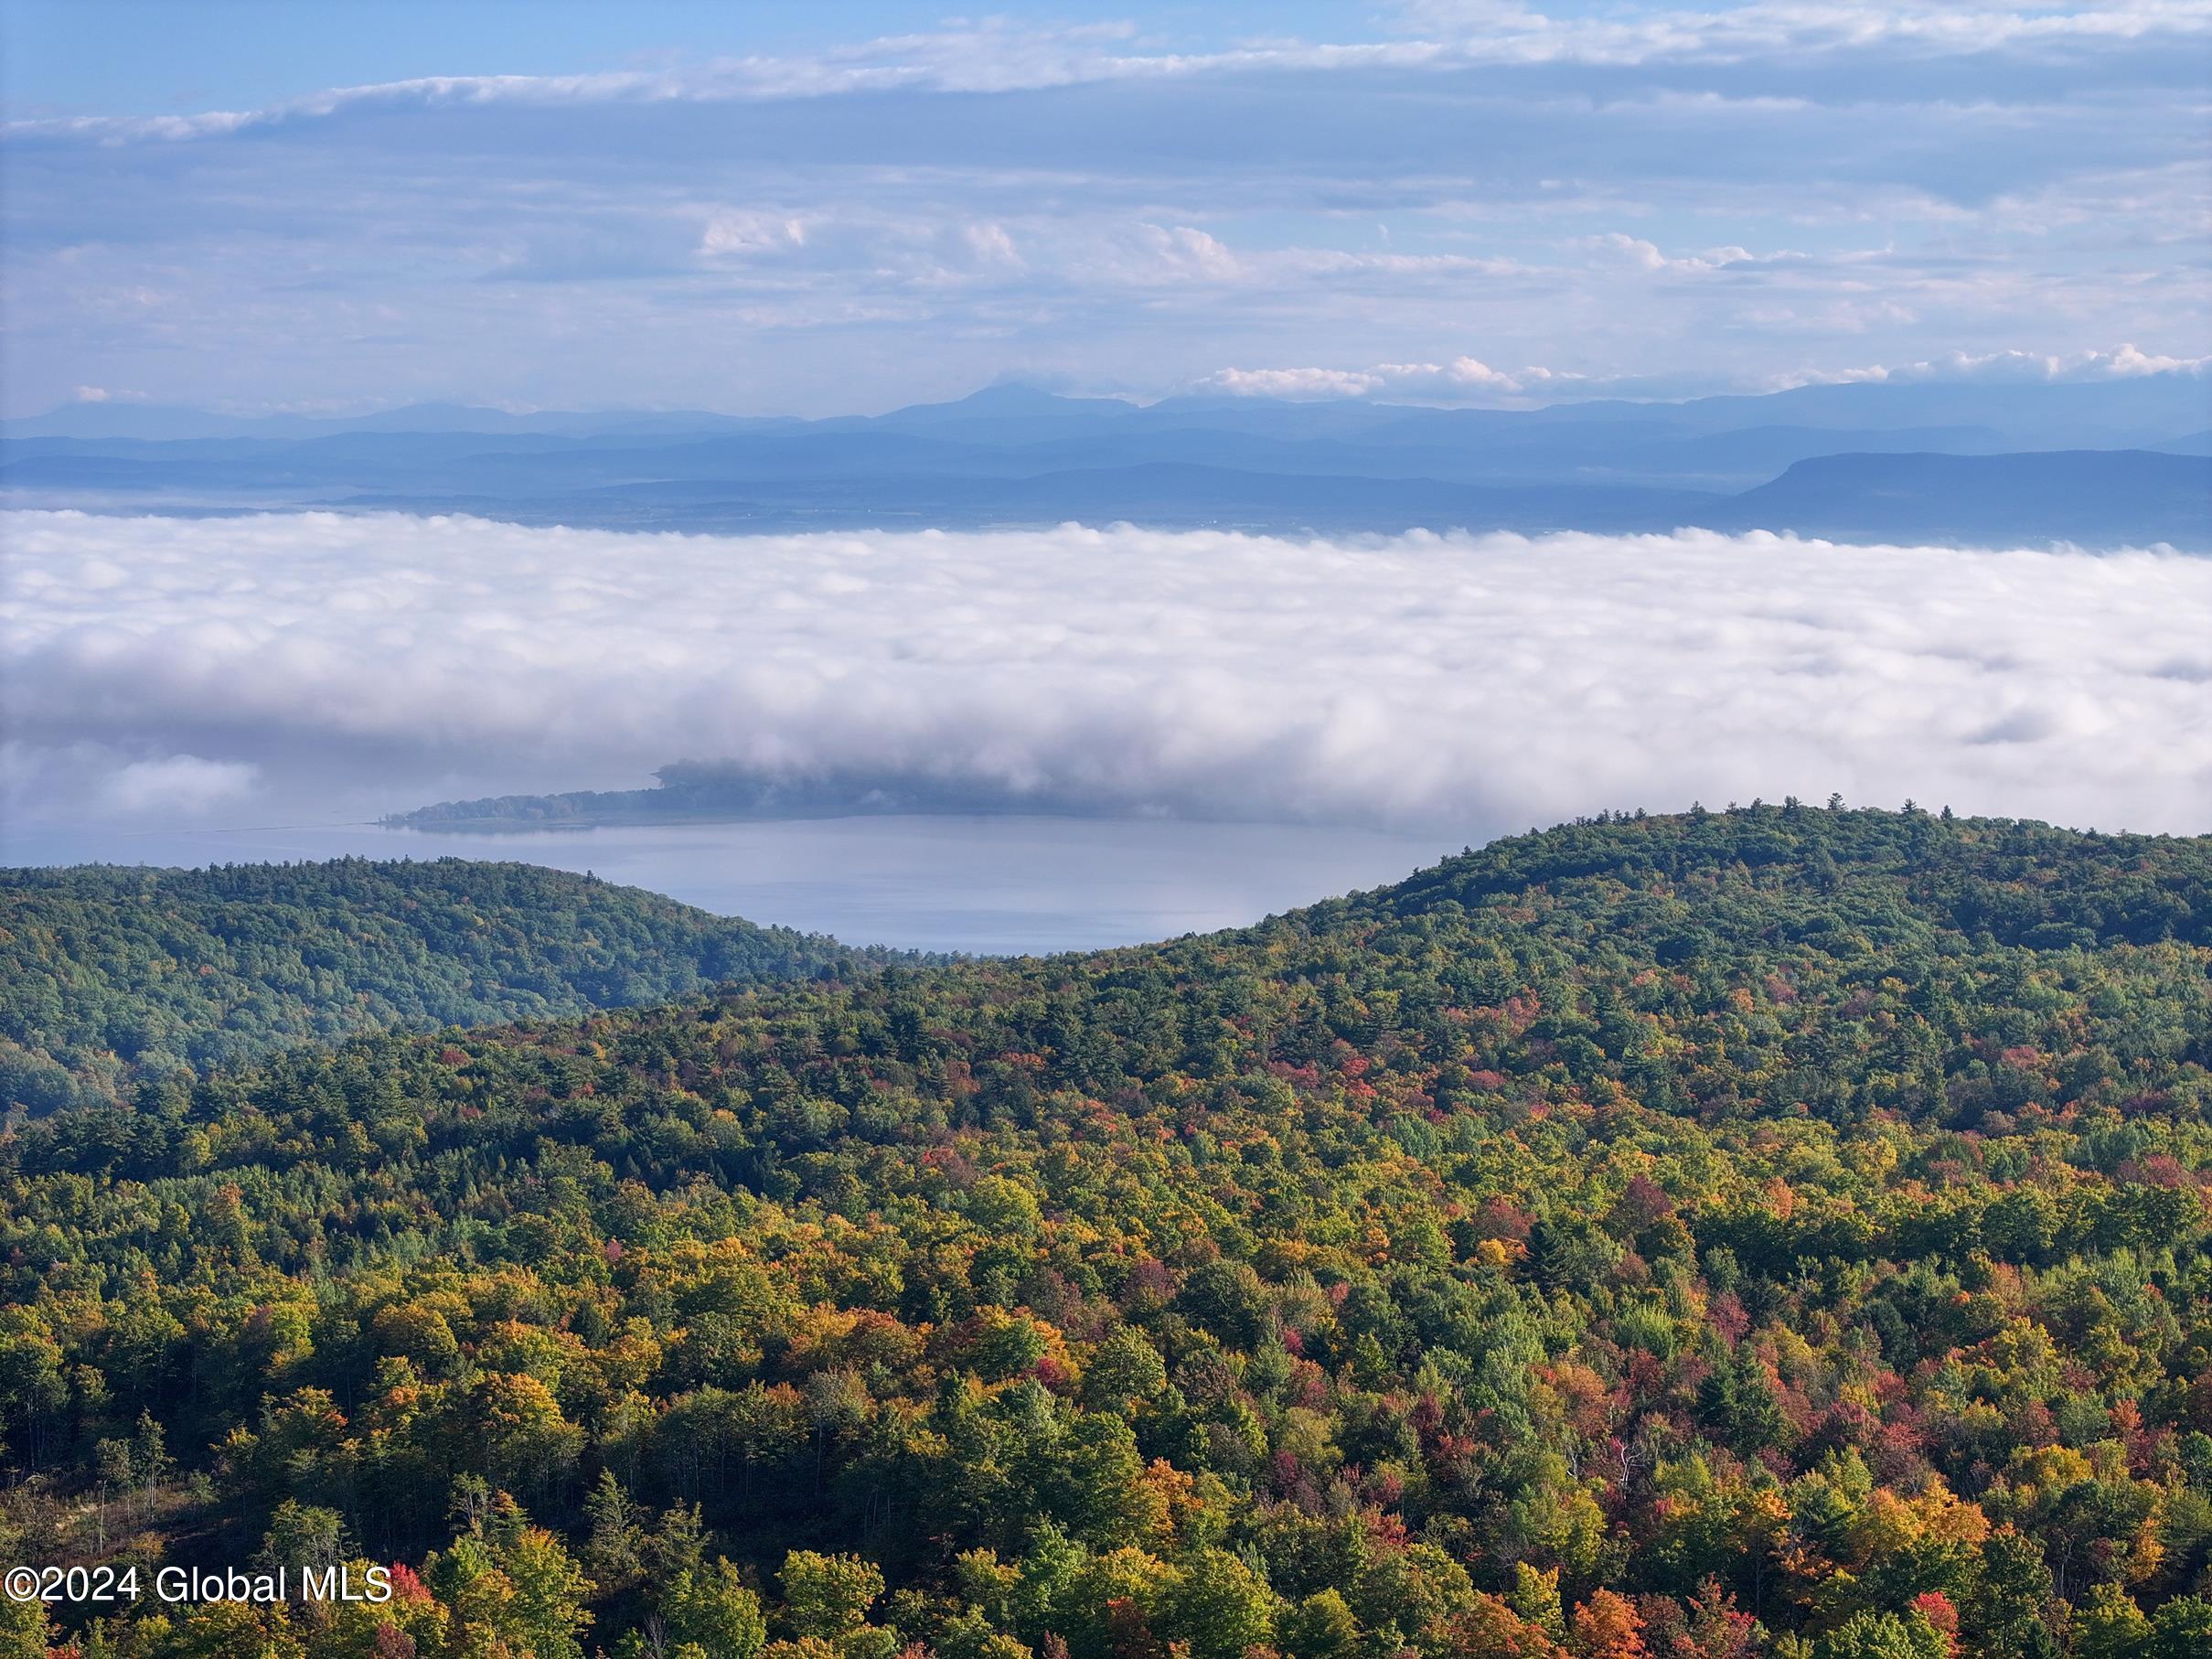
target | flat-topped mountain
[{"x": 2092, "y": 496}]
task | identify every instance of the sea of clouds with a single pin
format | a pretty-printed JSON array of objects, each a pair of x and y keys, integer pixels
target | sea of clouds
[{"x": 182, "y": 669}]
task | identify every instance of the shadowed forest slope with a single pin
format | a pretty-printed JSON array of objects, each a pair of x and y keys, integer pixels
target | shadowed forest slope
[{"x": 113, "y": 973}]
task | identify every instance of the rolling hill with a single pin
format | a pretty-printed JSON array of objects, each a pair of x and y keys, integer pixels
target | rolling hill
[
  {"x": 116, "y": 974},
  {"x": 1776, "y": 1232}
]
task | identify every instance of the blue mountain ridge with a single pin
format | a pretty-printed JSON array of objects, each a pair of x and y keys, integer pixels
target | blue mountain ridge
[{"x": 2102, "y": 463}]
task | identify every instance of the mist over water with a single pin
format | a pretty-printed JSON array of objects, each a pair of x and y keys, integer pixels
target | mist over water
[
  {"x": 986, "y": 885},
  {"x": 307, "y": 668}
]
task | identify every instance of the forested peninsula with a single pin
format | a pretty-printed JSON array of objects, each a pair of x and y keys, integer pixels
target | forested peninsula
[{"x": 1772, "y": 1232}]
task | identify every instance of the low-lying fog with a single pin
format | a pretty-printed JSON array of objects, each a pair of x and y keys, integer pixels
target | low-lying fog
[{"x": 225, "y": 673}]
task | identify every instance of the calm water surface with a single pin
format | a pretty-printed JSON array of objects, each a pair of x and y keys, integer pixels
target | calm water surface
[{"x": 983, "y": 885}]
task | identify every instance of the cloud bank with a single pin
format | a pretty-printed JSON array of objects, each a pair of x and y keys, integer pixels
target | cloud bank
[
  {"x": 2018, "y": 368},
  {"x": 1463, "y": 380},
  {"x": 1464, "y": 685}
]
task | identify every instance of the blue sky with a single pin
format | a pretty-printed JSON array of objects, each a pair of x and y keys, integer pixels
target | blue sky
[{"x": 815, "y": 208}]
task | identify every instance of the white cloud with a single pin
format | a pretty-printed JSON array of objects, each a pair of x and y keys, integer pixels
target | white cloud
[
  {"x": 994, "y": 55},
  {"x": 2027, "y": 367},
  {"x": 1181, "y": 253},
  {"x": 1291, "y": 382},
  {"x": 177, "y": 784},
  {"x": 1644, "y": 255},
  {"x": 991, "y": 245},
  {"x": 1463, "y": 684},
  {"x": 1459, "y": 380},
  {"x": 1499, "y": 31},
  {"x": 744, "y": 234},
  {"x": 1001, "y": 54}
]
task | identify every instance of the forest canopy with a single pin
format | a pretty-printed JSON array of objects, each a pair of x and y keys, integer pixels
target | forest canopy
[
  {"x": 114, "y": 973},
  {"x": 1781, "y": 1231}
]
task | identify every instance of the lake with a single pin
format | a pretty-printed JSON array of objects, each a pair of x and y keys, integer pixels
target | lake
[{"x": 989, "y": 885}]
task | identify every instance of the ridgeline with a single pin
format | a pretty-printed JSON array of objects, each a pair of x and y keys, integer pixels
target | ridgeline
[{"x": 1780, "y": 1232}]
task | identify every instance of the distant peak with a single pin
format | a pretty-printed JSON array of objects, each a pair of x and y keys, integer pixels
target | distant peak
[
  {"x": 1011, "y": 394},
  {"x": 1013, "y": 397}
]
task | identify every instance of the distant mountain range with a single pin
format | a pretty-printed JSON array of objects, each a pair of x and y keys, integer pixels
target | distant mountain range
[{"x": 2102, "y": 463}]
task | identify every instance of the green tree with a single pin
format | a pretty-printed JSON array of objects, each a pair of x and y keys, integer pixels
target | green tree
[
  {"x": 712, "y": 1609},
  {"x": 828, "y": 1596},
  {"x": 1221, "y": 1606},
  {"x": 1883, "y": 1636}
]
